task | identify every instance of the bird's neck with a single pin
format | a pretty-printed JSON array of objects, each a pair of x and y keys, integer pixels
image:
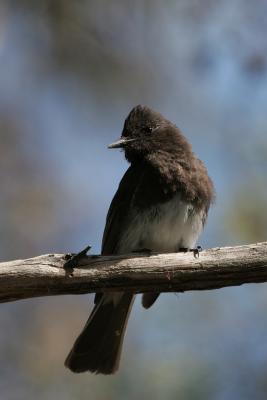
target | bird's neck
[
  {"x": 173, "y": 167},
  {"x": 182, "y": 172}
]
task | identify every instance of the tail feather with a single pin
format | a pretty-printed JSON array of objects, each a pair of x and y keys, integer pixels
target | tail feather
[
  {"x": 148, "y": 299},
  {"x": 98, "y": 347}
]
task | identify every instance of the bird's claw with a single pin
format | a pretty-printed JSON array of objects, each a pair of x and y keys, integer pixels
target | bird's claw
[
  {"x": 74, "y": 258},
  {"x": 195, "y": 250}
]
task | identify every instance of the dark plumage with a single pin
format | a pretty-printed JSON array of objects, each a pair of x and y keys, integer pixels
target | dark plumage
[{"x": 161, "y": 204}]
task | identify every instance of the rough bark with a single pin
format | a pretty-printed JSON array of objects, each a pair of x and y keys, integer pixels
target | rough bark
[{"x": 214, "y": 268}]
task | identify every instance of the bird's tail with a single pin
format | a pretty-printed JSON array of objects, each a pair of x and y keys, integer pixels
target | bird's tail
[{"x": 99, "y": 345}]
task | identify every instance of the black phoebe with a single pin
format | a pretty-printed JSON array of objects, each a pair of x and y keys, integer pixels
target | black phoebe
[{"x": 161, "y": 204}]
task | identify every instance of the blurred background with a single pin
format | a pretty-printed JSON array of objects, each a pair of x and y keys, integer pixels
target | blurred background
[{"x": 70, "y": 71}]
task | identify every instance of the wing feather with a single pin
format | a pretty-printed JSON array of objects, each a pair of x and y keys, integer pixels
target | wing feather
[{"x": 118, "y": 214}]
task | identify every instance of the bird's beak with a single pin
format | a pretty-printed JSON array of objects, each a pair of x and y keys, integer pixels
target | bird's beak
[{"x": 122, "y": 142}]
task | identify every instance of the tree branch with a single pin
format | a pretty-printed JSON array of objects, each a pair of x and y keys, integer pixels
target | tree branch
[{"x": 215, "y": 268}]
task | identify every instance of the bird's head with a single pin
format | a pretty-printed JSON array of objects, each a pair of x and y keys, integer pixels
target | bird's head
[{"x": 146, "y": 132}]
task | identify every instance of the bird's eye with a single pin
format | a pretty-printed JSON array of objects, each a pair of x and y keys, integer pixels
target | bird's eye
[{"x": 147, "y": 129}]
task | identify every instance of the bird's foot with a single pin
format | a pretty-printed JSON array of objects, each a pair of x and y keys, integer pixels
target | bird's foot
[
  {"x": 195, "y": 250},
  {"x": 72, "y": 259}
]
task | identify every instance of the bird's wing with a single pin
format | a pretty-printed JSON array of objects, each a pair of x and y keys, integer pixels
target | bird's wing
[{"x": 118, "y": 214}]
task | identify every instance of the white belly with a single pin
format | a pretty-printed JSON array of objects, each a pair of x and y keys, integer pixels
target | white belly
[{"x": 165, "y": 228}]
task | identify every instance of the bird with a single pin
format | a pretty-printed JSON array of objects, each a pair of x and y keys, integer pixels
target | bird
[{"x": 161, "y": 205}]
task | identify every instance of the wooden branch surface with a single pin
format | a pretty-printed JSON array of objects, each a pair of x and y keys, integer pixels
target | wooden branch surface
[{"x": 215, "y": 268}]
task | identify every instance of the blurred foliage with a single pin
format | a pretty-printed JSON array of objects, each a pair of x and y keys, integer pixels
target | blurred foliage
[
  {"x": 247, "y": 217},
  {"x": 69, "y": 73}
]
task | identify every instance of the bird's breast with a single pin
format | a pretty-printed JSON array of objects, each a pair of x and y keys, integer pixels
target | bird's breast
[{"x": 164, "y": 227}]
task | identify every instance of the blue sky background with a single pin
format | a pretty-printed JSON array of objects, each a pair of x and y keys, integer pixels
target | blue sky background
[{"x": 69, "y": 74}]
